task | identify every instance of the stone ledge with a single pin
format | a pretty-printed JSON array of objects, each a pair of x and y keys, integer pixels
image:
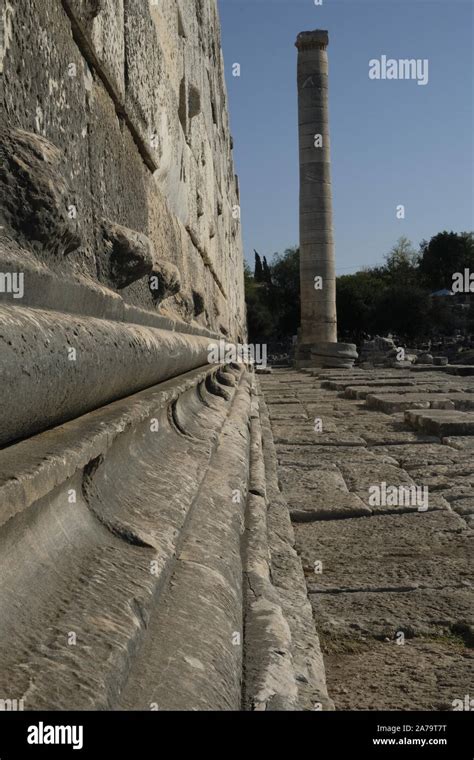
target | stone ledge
[
  {"x": 98, "y": 565},
  {"x": 288, "y": 580},
  {"x": 76, "y": 364},
  {"x": 29, "y": 470}
]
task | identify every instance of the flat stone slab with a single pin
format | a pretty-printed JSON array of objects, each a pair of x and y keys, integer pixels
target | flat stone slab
[
  {"x": 447, "y": 473},
  {"x": 361, "y": 479},
  {"x": 323, "y": 479},
  {"x": 440, "y": 422},
  {"x": 382, "y": 675},
  {"x": 392, "y": 551},
  {"x": 453, "y": 493},
  {"x": 287, "y": 412},
  {"x": 280, "y": 397},
  {"x": 464, "y": 370},
  {"x": 362, "y": 391},
  {"x": 359, "y": 388},
  {"x": 319, "y": 456},
  {"x": 325, "y": 506},
  {"x": 464, "y": 506},
  {"x": 295, "y": 435},
  {"x": 383, "y": 614},
  {"x": 390, "y": 402},
  {"x": 409, "y": 456},
  {"x": 365, "y": 377},
  {"x": 459, "y": 442},
  {"x": 390, "y": 437}
]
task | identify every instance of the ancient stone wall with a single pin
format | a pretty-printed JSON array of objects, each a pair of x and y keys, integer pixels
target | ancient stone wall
[
  {"x": 146, "y": 554},
  {"x": 118, "y": 171}
]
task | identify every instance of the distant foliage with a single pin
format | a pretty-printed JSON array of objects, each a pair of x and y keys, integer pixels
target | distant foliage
[
  {"x": 393, "y": 298},
  {"x": 445, "y": 253}
]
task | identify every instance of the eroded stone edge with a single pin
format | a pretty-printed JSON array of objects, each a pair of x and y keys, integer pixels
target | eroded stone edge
[{"x": 288, "y": 587}]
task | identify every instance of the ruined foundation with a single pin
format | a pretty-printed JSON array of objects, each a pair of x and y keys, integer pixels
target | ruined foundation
[
  {"x": 145, "y": 549},
  {"x": 177, "y": 533}
]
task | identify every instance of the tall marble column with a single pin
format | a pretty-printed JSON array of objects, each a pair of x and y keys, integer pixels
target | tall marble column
[{"x": 317, "y": 340}]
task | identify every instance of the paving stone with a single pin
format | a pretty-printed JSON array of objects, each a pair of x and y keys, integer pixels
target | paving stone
[
  {"x": 441, "y": 423},
  {"x": 287, "y": 412},
  {"x": 314, "y": 456},
  {"x": 439, "y": 484},
  {"x": 391, "y": 403},
  {"x": 280, "y": 398},
  {"x": 395, "y": 568},
  {"x": 382, "y": 614},
  {"x": 455, "y": 493},
  {"x": 464, "y": 506},
  {"x": 360, "y": 479},
  {"x": 409, "y": 456},
  {"x": 325, "y": 506},
  {"x": 396, "y": 437},
  {"x": 402, "y": 388},
  {"x": 326, "y": 478},
  {"x": 367, "y": 383},
  {"x": 391, "y": 551},
  {"x": 459, "y": 473},
  {"x": 420, "y": 675},
  {"x": 459, "y": 442},
  {"x": 288, "y": 434}
]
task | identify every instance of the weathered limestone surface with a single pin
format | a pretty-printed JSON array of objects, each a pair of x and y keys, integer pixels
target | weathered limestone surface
[
  {"x": 284, "y": 667},
  {"x": 147, "y": 559},
  {"x": 115, "y": 113},
  {"x": 89, "y": 535},
  {"x": 44, "y": 384},
  {"x": 146, "y": 555},
  {"x": 390, "y": 583}
]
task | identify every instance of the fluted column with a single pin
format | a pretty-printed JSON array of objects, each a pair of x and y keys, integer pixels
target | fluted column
[{"x": 318, "y": 332}]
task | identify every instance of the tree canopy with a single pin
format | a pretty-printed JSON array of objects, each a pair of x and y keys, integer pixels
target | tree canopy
[{"x": 395, "y": 297}]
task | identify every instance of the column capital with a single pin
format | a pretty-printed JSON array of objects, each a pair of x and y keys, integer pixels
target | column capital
[{"x": 315, "y": 40}]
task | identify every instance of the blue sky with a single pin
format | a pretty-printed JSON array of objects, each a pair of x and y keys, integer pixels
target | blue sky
[{"x": 392, "y": 142}]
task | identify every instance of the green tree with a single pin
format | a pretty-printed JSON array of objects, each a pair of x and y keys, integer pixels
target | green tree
[
  {"x": 445, "y": 254},
  {"x": 258, "y": 272},
  {"x": 393, "y": 298},
  {"x": 404, "y": 309},
  {"x": 260, "y": 322},
  {"x": 267, "y": 275},
  {"x": 285, "y": 292},
  {"x": 357, "y": 297}
]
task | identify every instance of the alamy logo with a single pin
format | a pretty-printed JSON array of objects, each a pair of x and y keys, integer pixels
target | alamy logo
[
  {"x": 463, "y": 282},
  {"x": 463, "y": 704},
  {"x": 12, "y": 705},
  {"x": 12, "y": 282},
  {"x": 382, "y": 495},
  {"x": 42, "y": 734},
  {"x": 241, "y": 353},
  {"x": 404, "y": 68}
]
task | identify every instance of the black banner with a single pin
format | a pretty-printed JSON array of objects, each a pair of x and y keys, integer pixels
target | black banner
[{"x": 133, "y": 734}]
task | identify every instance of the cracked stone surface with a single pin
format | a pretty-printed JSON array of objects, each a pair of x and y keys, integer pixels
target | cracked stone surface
[{"x": 390, "y": 584}]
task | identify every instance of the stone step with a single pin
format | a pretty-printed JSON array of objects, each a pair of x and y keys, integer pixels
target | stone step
[
  {"x": 351, "y": 382},
  {"x": 391, "y": 403},
  {"x": 191, "y": 658},
  {"x": 362, "y": 391},
  {"x": 92, "y": 519},
  {"x": 441, "y": 422}
]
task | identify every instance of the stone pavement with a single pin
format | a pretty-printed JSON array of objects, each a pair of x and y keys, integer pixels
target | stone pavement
[{"x": 377, "y": 470}]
